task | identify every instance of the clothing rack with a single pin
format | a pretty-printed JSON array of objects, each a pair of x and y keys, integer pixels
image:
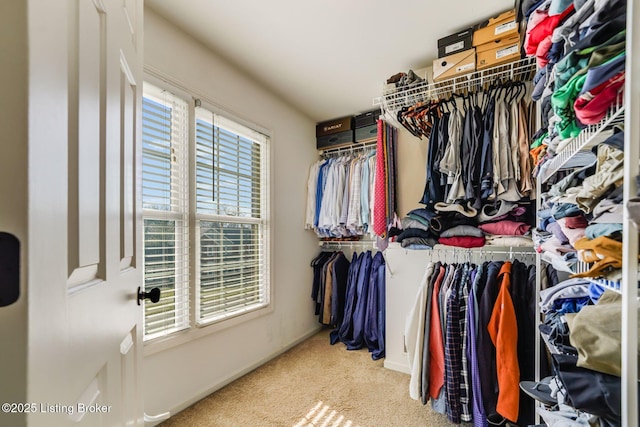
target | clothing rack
[
  {"x": 392, "y": 100},
  {"x": 347, "y": 244},
  {"x": 352, "y": 148},
  {"x": 476, "y": 255}
]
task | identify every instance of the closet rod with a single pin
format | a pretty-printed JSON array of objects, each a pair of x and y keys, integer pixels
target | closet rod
[
  {"x": 355, "y": 244},
  {"x": 356, "y": 146},
  {"x": 485, "y": 250}
]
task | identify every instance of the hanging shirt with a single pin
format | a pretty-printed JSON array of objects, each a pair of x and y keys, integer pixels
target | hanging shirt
[
  {"x": 320, "y": 191},
  {"x": 452, "y": 354},
  {"x": 465, "y": 388},
  {"x": 503, "y": 330},
  {"x": 353, "y": 220},
  {"x": 479, "y": 417},
  {"x": 312, "y": 184},
  {"x": 450, "y": 165},
  {"x": 436, "y": 341},
  {"x": 356, "y": 340},
  {"x": 414, "y": 334}
]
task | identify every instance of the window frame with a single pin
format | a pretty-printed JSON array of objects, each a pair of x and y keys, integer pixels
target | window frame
[{"x": 198, "y": 329}]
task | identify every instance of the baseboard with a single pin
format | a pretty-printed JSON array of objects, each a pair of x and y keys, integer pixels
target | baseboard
[
  {"x": 395, "y": 366},
  {"x": 231, "y": 378}
]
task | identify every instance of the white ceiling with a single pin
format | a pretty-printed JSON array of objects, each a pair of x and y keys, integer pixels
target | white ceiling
[{"x": 328, "y": 58}]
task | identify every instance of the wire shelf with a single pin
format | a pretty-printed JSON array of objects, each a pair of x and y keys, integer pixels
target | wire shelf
[
  {"x": 392, "y": 100},
  {"x": 615, "y": 115}
]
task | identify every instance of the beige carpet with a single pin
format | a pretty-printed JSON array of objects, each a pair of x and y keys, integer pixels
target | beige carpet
[{"x": 314, "y": 384}]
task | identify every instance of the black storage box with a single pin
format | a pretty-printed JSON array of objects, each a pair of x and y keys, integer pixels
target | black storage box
[
  {"x": 367, "y": 133},
  {"x": 334, "y": 126},
  {"x": 334, "y": 140},
  {"x": 458, "y": 42},
  {"x": 367, "y": 119}
]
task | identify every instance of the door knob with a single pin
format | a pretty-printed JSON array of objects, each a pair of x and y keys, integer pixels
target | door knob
[{"x": 153, "y": 295}]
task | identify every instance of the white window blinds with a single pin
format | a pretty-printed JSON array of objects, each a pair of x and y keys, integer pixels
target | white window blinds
[
  {"x": 230, "y": 218},
  {"x": 165, "y": 206}
]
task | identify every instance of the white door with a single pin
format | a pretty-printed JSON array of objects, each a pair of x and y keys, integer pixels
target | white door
[{"x": 84, "y": 248}]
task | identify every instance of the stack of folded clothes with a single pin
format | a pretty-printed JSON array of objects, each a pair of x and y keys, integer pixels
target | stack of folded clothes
[
  {"x": 581, "y": 215},
  {"x": 582, "y": 332},
  {"x": 459, "y": 224},
  {"x": 580, "y": 48},
  {"x": 505, "y": 224}
]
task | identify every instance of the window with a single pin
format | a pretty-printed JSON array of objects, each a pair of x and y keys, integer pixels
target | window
[
  {"x": 229, "y": 217},
  {"x": 204, "y": 204}
]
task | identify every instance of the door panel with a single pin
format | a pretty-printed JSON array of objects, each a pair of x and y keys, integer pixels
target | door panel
[
  {"x": 128, "y": 89},
  {"x": 86, "y": 136},
  {"x": 85, "y": 327},
  {"x": 128, "y": 367}
]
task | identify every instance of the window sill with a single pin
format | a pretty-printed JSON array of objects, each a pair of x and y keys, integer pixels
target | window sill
[{"x": 185, "y": 336}]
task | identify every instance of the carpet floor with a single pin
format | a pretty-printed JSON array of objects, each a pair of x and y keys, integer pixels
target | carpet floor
[{"x": 314, "y": 384}]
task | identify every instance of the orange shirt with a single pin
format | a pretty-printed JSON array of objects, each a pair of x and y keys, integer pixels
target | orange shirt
[
  {"x": 436, "y": 343},
  {"x": 503, "y": 330}
]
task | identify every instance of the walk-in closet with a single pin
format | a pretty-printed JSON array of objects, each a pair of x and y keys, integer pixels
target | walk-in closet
[{"x": 511, "y": 283}]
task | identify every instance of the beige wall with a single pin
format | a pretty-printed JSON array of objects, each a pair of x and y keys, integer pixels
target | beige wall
[
  {"x": 411, "y": 164},
  {"x": 13, "y": 205}
]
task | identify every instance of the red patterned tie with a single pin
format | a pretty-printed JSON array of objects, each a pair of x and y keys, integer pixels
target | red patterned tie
[{"x": 380, "y": 189}]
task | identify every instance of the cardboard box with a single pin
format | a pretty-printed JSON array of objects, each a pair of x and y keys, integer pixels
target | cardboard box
[
  {"x": 500, "y": 27},
  {"x": 454, "y": 65},
  {"x": 498, "y": 52},
  {"x": 334, "y": 126},
  {"x": 455, "y": 43},
  {"x": 335, "y": 140}
]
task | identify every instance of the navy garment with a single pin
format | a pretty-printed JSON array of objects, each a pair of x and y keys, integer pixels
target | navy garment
[
  {"x": 356, "y": 340},
  {"x": 531, "y": 7},
  {"x": 474, "y": 167},
  {"x": 433, "y": 191},
  {"x": 556, "y": 52},
  {"x": 465, "y": 148},
  {"x": 591, "y": 391},
  {"x": 382, "y": 312},
  {"x": 485, "y": 348},
  {"x": 346, "y": 327},
  {"x": 340, "y": 277},
  {"x": 373, "y": 332}
]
